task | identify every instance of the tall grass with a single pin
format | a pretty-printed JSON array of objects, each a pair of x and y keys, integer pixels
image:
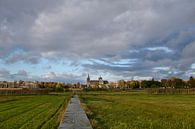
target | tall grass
[
  {"x": 140, "y": 111},
  {"x": 171, "y": 91}
]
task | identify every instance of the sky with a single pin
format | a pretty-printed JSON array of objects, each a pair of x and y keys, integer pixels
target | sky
[{"x": 64, "y": 40}]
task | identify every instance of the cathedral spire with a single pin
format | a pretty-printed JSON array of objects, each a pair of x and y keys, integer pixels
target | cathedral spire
[
  {"x": 88, "y": 78},
  {"x": 88, "y": 81}
]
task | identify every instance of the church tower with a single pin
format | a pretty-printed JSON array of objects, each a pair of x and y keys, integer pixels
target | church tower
[
  {"x": 88, "y": 81},
  {"x": 101, "y": 82}
]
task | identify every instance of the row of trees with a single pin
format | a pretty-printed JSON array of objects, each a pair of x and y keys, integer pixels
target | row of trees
[
  {"x": 54, "y": 86},
  {"x": 57, "y": 86},
  {"x": 166, "y": 83}
]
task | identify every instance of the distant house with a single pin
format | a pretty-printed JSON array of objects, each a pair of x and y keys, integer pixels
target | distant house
[
  {"x": 30, "y": 85},
  {"x": 5, "y": 84},
  {"x": 19, "y": 84},
  {"x": 100, "y": 83},
  {"x": 113, "y": 85}
]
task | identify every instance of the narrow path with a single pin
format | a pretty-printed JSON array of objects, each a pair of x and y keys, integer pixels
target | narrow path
[{"x": 75, "y": 117}]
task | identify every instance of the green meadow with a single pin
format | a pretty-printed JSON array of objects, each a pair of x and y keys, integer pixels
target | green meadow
[
  {"x": 108, "y": 110},
  {"x": 32, "y": 111}
]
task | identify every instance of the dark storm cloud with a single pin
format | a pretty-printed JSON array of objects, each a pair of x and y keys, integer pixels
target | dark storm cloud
[{"x": 76, "y": 30}]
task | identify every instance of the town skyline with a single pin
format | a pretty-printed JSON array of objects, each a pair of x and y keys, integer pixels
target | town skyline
[{"x": 64, "y": 40}]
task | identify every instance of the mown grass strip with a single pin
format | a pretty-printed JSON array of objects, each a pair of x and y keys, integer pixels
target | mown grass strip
[
  {"x": 55, "y": 119},
  {"x": 38, "y": 119},
  {"x": 16, "y": 122},
  {"x": 42, "y": 118},
  {"x": 16, "y": 111},
  {"x": 21, "y": 101},
  {"x": 32, "y": 111}
]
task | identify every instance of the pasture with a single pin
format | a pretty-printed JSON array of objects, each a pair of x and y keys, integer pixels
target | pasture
[
  {"x": 109, "y": 110},
  {"x": 32, "y": 111}
]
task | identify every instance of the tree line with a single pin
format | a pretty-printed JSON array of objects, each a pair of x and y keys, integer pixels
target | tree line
[{"x": 173, "y": 82}]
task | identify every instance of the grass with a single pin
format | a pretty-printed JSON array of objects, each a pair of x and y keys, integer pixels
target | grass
[
  {"x": 32, "y": 111},
  {"x": 139, "y": 110}
]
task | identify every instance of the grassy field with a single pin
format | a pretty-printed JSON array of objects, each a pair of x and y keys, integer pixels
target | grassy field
[
  {"x": 32, "y": 112},
  {"x": 139, "y": 110}
]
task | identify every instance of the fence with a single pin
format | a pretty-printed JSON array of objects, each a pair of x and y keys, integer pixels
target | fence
[
  {"x": 170, "y": 91},
  {"x": 20, "y": 91}
]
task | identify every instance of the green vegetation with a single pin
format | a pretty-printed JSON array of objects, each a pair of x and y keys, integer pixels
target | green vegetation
[
  {"x": 32, "y": 112},
  {"x": 109, "y": 110},
  {"x": 173, "y": 82}
]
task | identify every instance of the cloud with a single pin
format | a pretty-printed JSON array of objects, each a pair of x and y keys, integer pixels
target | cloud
[
  {"x": 30, "y": 58},
  {"x": 188, "y": 51},
  {"x": 62, "y": 77},
  {"x": 20, "y": 75},
  {"x": 155, "y": 33},
  {"x": 49, "y": 76},
  {"x": 4, "y": 74}
]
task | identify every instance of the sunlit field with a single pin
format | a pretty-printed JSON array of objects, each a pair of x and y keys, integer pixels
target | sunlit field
[
  {"x": 139, "y": 110},
  {"x": 32, "y": 111}
]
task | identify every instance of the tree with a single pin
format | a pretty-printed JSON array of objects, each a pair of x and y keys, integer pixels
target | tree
[
  {"x": 112, "y": 85},
  {"x": 21, "y": 83},
  {"x": 177, "y": 83},
  {"x": 143, "y": 84},
  {"x": 128, "y": 83},
  {"x": 134, "y": 84},
  {"x": 168, "y": 84},
  {"x": 191, "y": 82},
  {"x": 59, "y": 87},
  {"x": 121, "y": 83},
  {"x": 163, "y": 82}
]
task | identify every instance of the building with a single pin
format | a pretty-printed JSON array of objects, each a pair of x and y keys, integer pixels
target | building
[
  {"x": 100, "y": 83},
  {"x": 19, "y": 84}
]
